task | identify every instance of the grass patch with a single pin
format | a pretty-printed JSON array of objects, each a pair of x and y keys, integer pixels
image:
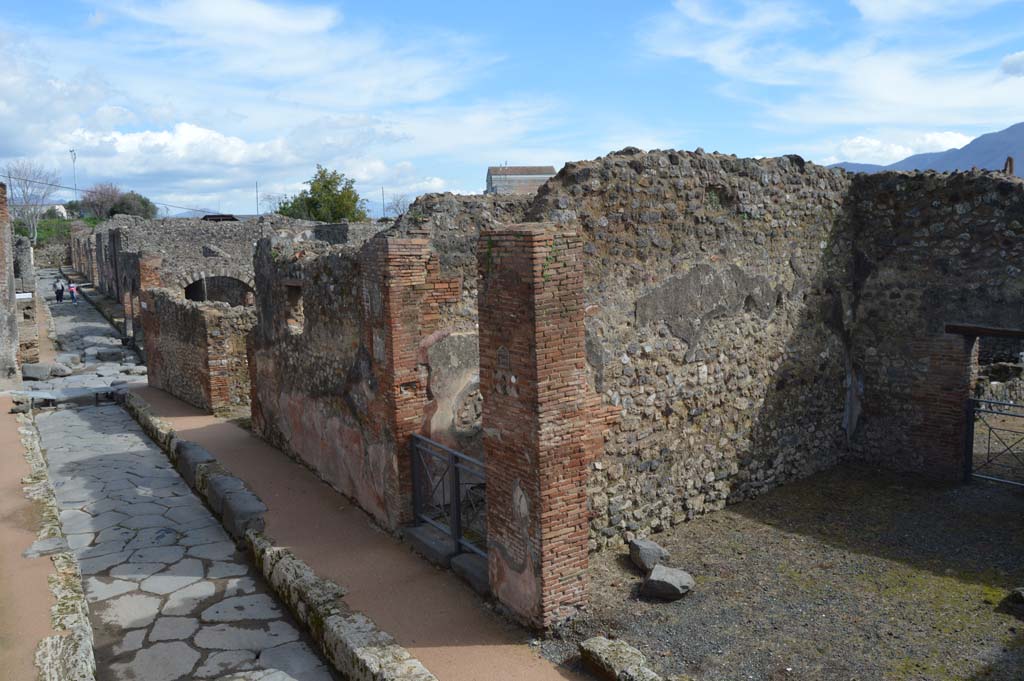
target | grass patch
[{"x": 48, "y": 231}]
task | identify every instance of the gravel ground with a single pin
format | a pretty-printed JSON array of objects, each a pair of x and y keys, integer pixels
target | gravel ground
[{"x": 850, "y": 574}]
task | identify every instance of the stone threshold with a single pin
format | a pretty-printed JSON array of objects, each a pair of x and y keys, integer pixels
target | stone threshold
[{"x": 352, "y": 643}]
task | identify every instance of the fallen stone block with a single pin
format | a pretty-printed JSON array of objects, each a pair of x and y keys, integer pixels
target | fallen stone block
[
  {"x": 69, "y": 359},
  {"x": 615, "y": 660},
  {"x": 190, "y": 455},
  {"x": 60, "y": 370},
  {"x": 645, "y": 554},
  {"x": 669, "y": 584}
]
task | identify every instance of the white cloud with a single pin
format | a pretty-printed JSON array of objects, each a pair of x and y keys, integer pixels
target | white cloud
[
  {"x": 868, "y": 150},
  {"x": 204, "y": 99},
  {"x": 890, "y": 11},
  {"x": 875, "y": 76},
  {"x": 891, "y": 147},
  {"x": 940, "y": 141},
  {"x": 235, "y": 21},
  {"x": 1013, "y": 64},
  {"x": 729, "y": 42}
]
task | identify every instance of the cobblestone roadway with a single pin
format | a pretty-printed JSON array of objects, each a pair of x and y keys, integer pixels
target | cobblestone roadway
[{"x": 170, "y": 598}]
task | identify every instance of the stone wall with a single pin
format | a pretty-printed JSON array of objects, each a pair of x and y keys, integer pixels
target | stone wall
[
  {"x": 992, "y": 350},
  {"x": 752, "y": 320},
  {"x": 197, "y": 351},
  {"x": 191, "y": 250},
  {"x": 926, "y": 250},
  {"x": 28, "y": 305},
  {"x": 453, "y": 222},
  {"x": 705, "y": 325},
  {"x": 351, "y": 355},
  {"x": 223, "y": 289},
  {"x": 9, "y": 374}
]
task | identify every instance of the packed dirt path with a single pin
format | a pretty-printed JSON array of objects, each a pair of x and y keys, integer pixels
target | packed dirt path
[
  {"x": 170, "y": 596},
  {"x": 429, "y": 611},
  {"x": 25, "y": 598}
]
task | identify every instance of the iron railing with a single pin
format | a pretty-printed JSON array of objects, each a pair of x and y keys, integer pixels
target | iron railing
[
  {"x": 449, "y": 494},
  {"x": 994, "y": 441}
]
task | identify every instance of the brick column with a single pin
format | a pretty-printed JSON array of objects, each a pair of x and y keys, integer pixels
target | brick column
[
  {"x": 9, "y": 373},
  {"x": 537, "y": 419},
  {"x": 149, "y": 277},
  {"x": 937, "y": 435},
  {"x": 149, "y": 270},
  {"x": 401, "y": 291},
  {"x": 151, "y": 338}
]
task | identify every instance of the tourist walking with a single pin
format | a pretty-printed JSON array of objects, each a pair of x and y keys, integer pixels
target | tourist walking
[
  {"x": 73, "y": 290},
  {"x": 58, "y": 290}
]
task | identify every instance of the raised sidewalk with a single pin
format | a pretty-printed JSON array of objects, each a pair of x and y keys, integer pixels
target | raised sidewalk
[{"x": 429, "y": 611}]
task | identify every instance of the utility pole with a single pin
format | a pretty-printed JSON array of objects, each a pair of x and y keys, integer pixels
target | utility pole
[
  {"x": 74, "y": 169},
  {"x": 257, "y": 198},
  {"x": 382, "y": 202}
]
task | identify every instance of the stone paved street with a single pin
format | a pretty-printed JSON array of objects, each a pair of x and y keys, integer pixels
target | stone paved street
[
  {"x": 90, "y": 355},
  {"x": 170, "y": 597}
]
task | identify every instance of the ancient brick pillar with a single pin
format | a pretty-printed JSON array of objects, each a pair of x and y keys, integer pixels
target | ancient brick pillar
[
  {"x": 149, "y": 270},
  {"x": 401, "y": 291},
  {"x": 149, "y": 277},
  {"x": 937, "y": 434},
  {"x": 8, "y": 309},
  {"x": 538, "y": 438}
]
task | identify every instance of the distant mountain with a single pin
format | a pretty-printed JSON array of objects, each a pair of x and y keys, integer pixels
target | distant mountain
[{"x": 988, "y": 152}]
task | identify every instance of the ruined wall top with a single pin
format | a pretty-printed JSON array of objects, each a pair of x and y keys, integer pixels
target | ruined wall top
[{"x": 453, "y": 222}]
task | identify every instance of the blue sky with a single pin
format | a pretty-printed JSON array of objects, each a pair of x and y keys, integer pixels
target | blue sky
[{"x": 193, "y": 102}]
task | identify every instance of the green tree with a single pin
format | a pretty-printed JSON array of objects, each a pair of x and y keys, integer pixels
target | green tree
[
  {"x": 331, "y": 197},
  {"x": 133, "y": 203}
]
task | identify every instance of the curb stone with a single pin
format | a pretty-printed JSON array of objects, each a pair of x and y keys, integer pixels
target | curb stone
[
  {"x": 353, "y": 644},
  {"x": 68, "y": 656}
]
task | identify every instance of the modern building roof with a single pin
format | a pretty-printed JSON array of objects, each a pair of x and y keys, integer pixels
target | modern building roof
[{"x": 521, "y": 170}]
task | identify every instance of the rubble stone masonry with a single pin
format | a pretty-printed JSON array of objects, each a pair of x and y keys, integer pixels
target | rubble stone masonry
[
  {"x": 341, "y": 361},
  {"x": 197, "y": 351},
  {"x": 705, "y": 308},
  {"x": 752, "y": 321},
  {"x": 9, "y": 373},
  {"x": 927, "y": 250}
]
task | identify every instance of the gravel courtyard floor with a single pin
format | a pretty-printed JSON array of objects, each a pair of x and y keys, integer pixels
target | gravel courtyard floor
[{"x": 850, "y": 574}]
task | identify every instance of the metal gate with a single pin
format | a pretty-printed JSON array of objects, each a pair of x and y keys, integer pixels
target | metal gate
[
  {"x": 449, "y": 494},
  {"x": 994, "y": 441}
]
